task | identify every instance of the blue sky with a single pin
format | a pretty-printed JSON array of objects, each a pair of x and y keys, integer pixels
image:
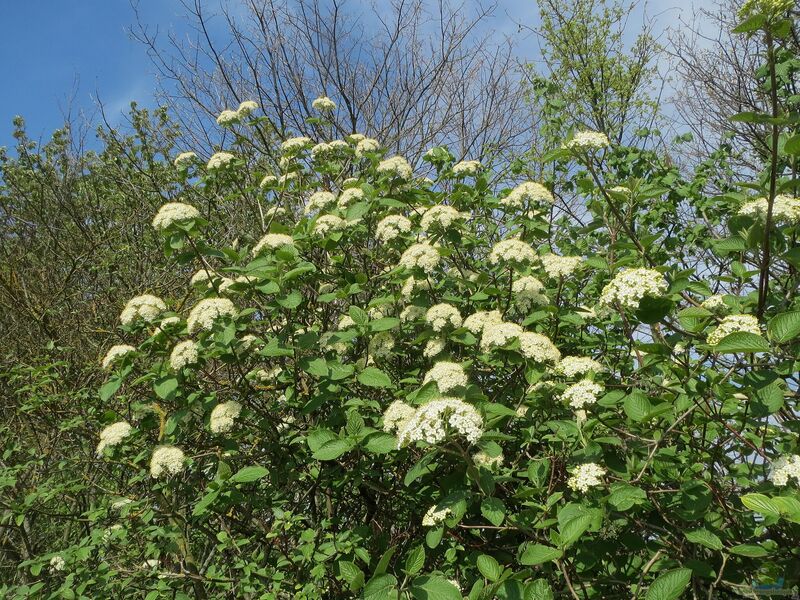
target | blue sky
[
  {"x": 65, "y": 54},
  {"x": 60, "y": 55}
]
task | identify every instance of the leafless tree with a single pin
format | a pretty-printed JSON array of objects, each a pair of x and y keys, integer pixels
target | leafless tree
[
  {"x": 412, "y": 73},
  {"x": 714, "y": 69}
]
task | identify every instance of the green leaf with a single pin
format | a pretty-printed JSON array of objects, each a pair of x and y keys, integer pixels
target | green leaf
[
  {"x": 751, "y": 550},
  {"x": 350, "y": 572},
  {"x": 536, "y": 554},
  {"x": 207, "y": 500},
  {"x": 384, "y": 324},
  {"x": 574, "y": 528},
  {"x": 669, "y": 585},
  {"x": 489, "y": 567},
  {"x": 248, "y": 474},
  {"x": 374, "y": 377},
  {"x": 623, "y": 496},
  {"x": 705, "y": 538},
  {"x": 359, "y": 315},
  {"x": 784, "y": 327},
  {"x": 653, "y": 310},
  {"x": 750, "y": 117},
  {"x": 637, "y": 406},
  {"x": 165, "y": 387},
  {"x": 792, "y": 145},
  {"x": 332, "y": 449},
  {"x": 317, "y": 367},
  {"x": 494, "y": 510},
  {"x": 381, "y": 587},
  {"x": 749, "y": 25},
  {"x": 110, "y": 387},
  {"x": 381, "y": 443},
  {"x": 741, "y": 341},
  {"x": 761, "y": 504},
  {"x": 539, "y": 590},
  {"x": 383, "y": 563},
  {"x": 415, "y": 560},
  {"x": 291, "y": 300},
  {"x": 434, "y": 587}
]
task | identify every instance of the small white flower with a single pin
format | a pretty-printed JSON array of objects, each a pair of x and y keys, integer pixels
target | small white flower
[
  {"x": 588, "y": 140},
  {"x": 447, "y": 376},
  {"x": 731, "y": 324},
  {"x": 115, "y": 353},
  {"x": 423, "y": 256},
  {"x": 113, "y": 435},
  {"x": 272, "y": 241},
  {"x": 57, "y": 563},
  {"x": 247, "y": 107},
  {"x": 586, "y": 476},
  {"x": 570, "y": 366},
  {"x": 483, "y": 459},
  {"x": 324, "y": 104},
  {"x": 295, "y": 145},
  {"x": 396, "y": 166},
  {"x": 497, "y": 335},
  {"x": 432, "y": 421},
  {"x": 166, "y": 460},
  {"x": 227, "y": 117},
  {"x": 220, "y": 159},
  {"x": 476, "y": 322},
  {"x": 319, "y": 201},
  {"x": 396, "y": 415},
  {"x": 526, "y": 192},
  {"x": 184, "y": 160},
  {"x": 183, "y": 354},
  {"x": 467, "y": 168},
  {"x": 578, "y": 395},
  {"x": 443, "y": 316},
  {"x": 560, "y": 266},
  {"x": 172, "y": 213},
  {"x": 366, "y": 145},
  {"x": 326, "y": 224},
  {"x": 441, "y": 215},
  {"x": 434, "y": 347},
  {"x": 208, "y": 310},
  {"x": 538, "y": 348},
  {"x": 145, "y": 307},
  {"x": 391, "y": 227},
  {"x": 528, "y": 292},
  {"x": 785, "y": 209},
  {"x": 629, "y": 286},
  {"x": 513, "y": 251},
  {"x": 434, "y": 516},
  {"x": 785, "y": 468},
  {"x": 223, "y": 416}
]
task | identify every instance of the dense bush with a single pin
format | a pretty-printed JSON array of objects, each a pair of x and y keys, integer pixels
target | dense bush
[{"x": 390, "y": 385}]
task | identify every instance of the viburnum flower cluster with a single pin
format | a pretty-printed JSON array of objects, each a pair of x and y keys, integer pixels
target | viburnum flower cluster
[
  {"x": 586, "y": 476},
  {"x": 732, "y": 324},
  {"x": 785, "y": 209},
  {"x": 629, "y": 286},
  {"x": 433, "y": 420}
]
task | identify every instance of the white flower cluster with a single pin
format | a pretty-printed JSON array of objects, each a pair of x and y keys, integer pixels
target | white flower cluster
[
  {"x": 442, "y": 215},
  {"x": 247, "y": 107},
  {"x": 447, "y": 376},
  {"x": 223, "y": 416},
  {"x": 295, "y": 144},
  {"x": 183, "y": 354},
  {"x": 396, "y": 415},
  {"x": 570, "y": 366},
  {"x": 629, "y": 286},
  {"x": 785, "y": 209},
  {"x": 731, "y": 324},
  {"x": 784, "y": 469},
  {"x": 443, "y": 315},
  {"x": 588, "y": 140},
  {"x": 396, "y": 166},
  {"x": 113, "y": 435},
  {"x": 431, "y": 420},
  {"x": 513, "y": 251},
  {"x": 367, "y": 145},
  {"x": 146, "y": 307},
  {"x": 529, "y": 291},
  {"x": 467, "y": 168},
  {"x": 582, "y": 393},
  {"x": 166, "y": 461},
  {"x": 529, "y": 191},
  {"x": 326, "y": 150},
  {"x": 346, "y": 322},
  {"x": 219, "y": 160},
  {"x": 174, "y": 212},
  {"x": 57, "y": 563},
  {"x": 319, "y": 201},
  {"x": 272, "y": 241},
  {"x": 391, "y": 227},
  {"x": 350, "y": 196},
  {"x": 208, "y": 310},
  {"x": 483, "y": 459},
  {"x": 184, "y": 159},
  {"x": 538, "y": 348},
  {"x": 381, "y": 344},
  {"x": 412, "y": 313},
  {"x": 115, "y": 353},
  {"x": 476, "y": 322},
  {"x": 324, "y": 104},
  {"x": 560, "y": 266},
  {"x": 328, "y": 223},
  {"x": 496, "y": 335},
  {"x": 434, "y": 347},
  {"x": 586, "y": 476},
  {"x": 423, "y": 256},
  {"x": 715, "y": 303},
  {"x": 227, "y": 117},
  {"x": 433, "y": 516}
]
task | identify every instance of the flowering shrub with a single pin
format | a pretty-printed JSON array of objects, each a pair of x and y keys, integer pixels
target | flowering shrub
[{"x": 395, "y": 386}]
